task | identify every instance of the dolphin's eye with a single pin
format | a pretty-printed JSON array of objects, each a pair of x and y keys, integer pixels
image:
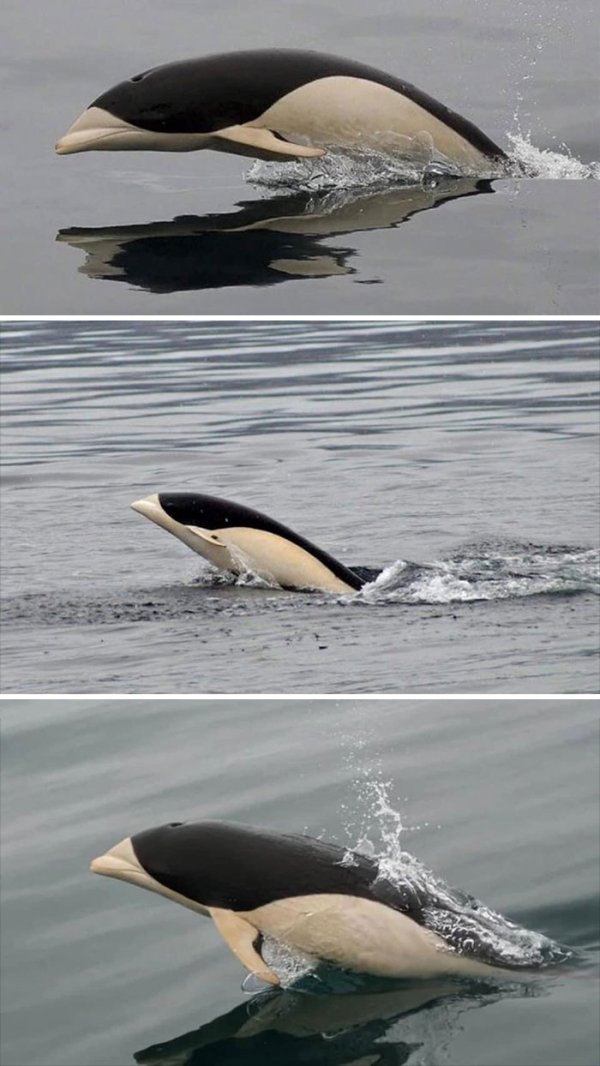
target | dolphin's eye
[{"x": 214, "y": 536}]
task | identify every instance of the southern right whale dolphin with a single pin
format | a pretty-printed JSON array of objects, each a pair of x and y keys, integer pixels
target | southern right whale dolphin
[
  {"x": 313, "y": 897},
  {"x": 241, "y": 540},
  {"x": 277, "y": 104}
]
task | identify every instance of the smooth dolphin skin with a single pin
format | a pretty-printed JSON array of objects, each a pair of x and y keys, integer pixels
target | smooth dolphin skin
[
  {"x": 238, "y": 539},
  {"x": 300, "y": 891},
  {"x": 277, "y": 104}
]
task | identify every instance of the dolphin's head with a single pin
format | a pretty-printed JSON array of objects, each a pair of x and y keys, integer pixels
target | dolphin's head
[
  {"x": 194, "y": 519},
  {"x": 173, "y": 107},
  {"x": 155, "y": 110},
  {"x": 167, "y": 859}
]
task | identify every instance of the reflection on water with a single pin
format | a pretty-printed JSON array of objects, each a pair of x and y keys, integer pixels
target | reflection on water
[
  {"x": 333, "y": 1030},
  {"x": 265, "y": 242}
]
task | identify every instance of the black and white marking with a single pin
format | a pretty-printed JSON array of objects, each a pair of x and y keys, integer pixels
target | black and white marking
[
  {"x": 302, "y": 892},
  {"x": 238, "y": 539},
  {"x": 276, "y": 104}
]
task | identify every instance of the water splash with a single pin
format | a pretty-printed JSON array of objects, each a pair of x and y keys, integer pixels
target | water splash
[
  {"x": 529, "y": 161},
  {"x": 467, "y": 925},
  {"x": 485, "y": 570},
  {"x": 350, "y": 169},
  {"x": 345, "y": 170},
  {"x": 488, "y": 571},
  {"x": 291, "y": 967}
]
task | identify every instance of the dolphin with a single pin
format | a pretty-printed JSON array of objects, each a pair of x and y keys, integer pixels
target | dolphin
[
  {"x": 277, "y": 104},
  {"x": 313, "y": 897},
  {"x": 241, "y": 540}
]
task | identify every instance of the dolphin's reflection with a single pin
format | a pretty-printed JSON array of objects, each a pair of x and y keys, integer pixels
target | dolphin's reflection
[
  {"x": 265, "y": 242},
  {"x": 293, "y": 1028}
]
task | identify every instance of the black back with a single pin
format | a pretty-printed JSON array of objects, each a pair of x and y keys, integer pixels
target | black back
[
  {"x": 240, "y": 868},
  {"x": 213, "y": 92},
  {"x": 211, "y": 512}
]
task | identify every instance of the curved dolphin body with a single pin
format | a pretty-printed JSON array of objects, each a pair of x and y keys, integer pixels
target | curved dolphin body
[
  {"x": 306, "y": 894},
  {"x": 276, "y": 104},
  {"x": 241, "y": 540}
]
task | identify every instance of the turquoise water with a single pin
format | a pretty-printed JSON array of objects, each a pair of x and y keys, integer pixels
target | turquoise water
[{"x": 499, "y": 798}]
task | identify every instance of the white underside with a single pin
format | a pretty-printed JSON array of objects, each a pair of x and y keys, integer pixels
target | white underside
[
  {"x": 350, "y": 932},
  {"x": 335, "y": 111},
  {"x": 243, "y": 549},
  {"x": 361, "y": 935}
]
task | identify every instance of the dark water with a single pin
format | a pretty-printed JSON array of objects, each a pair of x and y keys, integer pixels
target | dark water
[
  {"x": 497, "y": 797},
  {"x": 462, "y": 458},
  {"x": 105, "y": 233}
]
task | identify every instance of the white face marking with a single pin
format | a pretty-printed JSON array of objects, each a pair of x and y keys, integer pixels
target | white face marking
[
  {"x": 97, "y": 130},
  {"x": 242, "y": 549},
  {"x": 122, "y": 863},
  {"x": 361, "y": 935}
]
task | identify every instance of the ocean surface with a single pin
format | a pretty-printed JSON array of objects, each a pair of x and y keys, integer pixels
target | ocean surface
[
  {"x": 459, "y": 458},
  {"x": 132, "y": 233},
  {"x": 499, "y": 798}
]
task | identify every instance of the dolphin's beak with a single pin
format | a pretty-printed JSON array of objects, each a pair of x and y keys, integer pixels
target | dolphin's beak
[
  {"x": 93, "y": 130},
  {"x": 120, "y": 862},
  {"x": 150, "y": 507}
]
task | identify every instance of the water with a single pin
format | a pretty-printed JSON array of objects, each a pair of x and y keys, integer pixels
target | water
[
  {"x": 106, "y": 233},
  {"x": 498, "y": 798},
  {"x": 460, "y": 459}
]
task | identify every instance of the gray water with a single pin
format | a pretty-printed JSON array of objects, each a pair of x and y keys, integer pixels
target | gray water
[
  {"x": 460, "y": 458},
  {"x": 148, "y": 233},
  {"x": 496, "y": 797}
]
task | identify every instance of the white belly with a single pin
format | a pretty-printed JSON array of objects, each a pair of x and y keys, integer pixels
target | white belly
[
  {"x": 271, "y": 557},
  {"x": 354, "y": 112},
  {"x": 361, "y": 935}
]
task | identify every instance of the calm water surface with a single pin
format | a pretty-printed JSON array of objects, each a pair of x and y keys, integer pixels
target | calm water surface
[
  {"x": 462, "y": 458},
  {"x": 106, "y": 233},
  {"x": 499, "y": 798}
]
